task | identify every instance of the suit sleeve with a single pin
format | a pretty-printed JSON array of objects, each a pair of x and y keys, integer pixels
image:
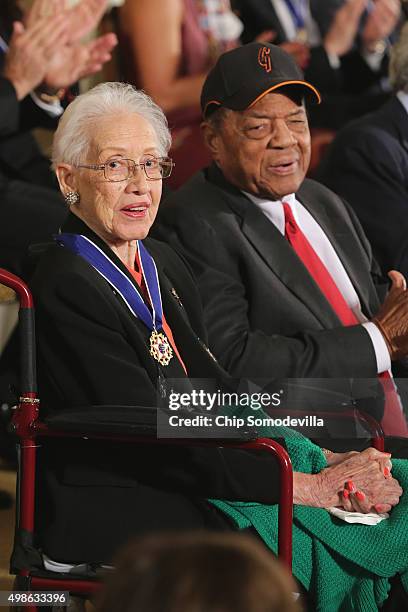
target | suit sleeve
[
  {"x": 242, "y": 350},
  {"x": 356, "y": 74},
  {"x": 325, "y": 78},
  {"x": 10, "y": 109},
  {"x": 20, "y": 116},
  {"x": 84, "y": 350}
]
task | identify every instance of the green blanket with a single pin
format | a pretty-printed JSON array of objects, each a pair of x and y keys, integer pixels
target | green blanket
[{"x": 345, "y": 567}]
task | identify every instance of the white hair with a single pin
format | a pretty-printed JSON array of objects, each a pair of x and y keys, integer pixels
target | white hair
[
  {"x": 398, "y": 70},
  {"x": 72, "y": 137}
]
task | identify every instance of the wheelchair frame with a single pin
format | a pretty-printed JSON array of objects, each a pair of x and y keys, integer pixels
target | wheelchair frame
[{"x": 28, "y": 427}]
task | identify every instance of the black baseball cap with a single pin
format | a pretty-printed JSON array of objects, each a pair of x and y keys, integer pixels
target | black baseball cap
[{"x": 245, "y": 74}]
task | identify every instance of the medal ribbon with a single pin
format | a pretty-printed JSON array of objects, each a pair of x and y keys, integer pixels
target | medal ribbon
[
  {"x": 298, "y": 12},
  {"x": 118, "y": 280}
]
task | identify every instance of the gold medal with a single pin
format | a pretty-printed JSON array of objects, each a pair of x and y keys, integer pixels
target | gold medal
[
  {"x": 301, "y": 36},
  {"x": 160, "y": 348}
]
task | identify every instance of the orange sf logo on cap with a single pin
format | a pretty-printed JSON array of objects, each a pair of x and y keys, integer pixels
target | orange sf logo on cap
[{"x": 264, "y": 58}]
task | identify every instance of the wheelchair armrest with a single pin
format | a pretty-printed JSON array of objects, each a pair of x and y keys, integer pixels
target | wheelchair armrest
[
  {"x": 109, "y": 419},
  {"x": 115, "y": 420},
  {"x": 138, "y": 424}
]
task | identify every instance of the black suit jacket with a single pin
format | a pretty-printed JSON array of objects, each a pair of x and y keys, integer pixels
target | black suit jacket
[
  {"x": 92, "y": 350},
  {"x": 368, "y": 165},
  {"x": 264, "y": 313},
  {"x": 266, "y": 317},
  {"x": 20, "y": 155},
  {"x": 31, "y": 206}
]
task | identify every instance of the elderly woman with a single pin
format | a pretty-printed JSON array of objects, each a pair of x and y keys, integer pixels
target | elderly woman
[{"x": 118, "y": 316}]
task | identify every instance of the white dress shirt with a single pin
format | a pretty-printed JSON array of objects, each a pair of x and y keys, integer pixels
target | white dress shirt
[
  {"x": 403, "y": 98},
  {"x": 53, "y": 109},
  {"x": 289, "y": 26},
  {"x": 324, "y": 249}
]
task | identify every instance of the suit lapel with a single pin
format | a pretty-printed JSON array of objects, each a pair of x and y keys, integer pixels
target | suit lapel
[
  {"x": 397, "y": 112},
  {"x": 274, "y": 249},
  {"x": 347, "y": 250}
]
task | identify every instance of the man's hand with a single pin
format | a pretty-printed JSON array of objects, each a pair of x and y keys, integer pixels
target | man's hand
[
  {"x": 267, "y": 36},
  {"x": 381, "y": 21},
  {"x": 73, "y": 62},
  {"x": 31, "y": 51},
  {"x": 392, "y": 318},
  {"x": 299, "y": 51},
  {"x": 340, "y": 37},
  {"x": 84, "y": 17},
  {"x": 43, "y": 8},
  {"x": 80, "y": 19}
]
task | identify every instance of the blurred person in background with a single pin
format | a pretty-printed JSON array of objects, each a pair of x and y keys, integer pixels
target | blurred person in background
[
  {"x": 41, "y": 56},
  {"x": 168, "y": 48},
  {"x": 367, "y": 164},
  {"x": 342, "y": 45},
  {"x": 198, "y": 572}
]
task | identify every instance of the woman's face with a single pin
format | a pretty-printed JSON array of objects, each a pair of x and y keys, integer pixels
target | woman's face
[{"x": 118, "y": 211}]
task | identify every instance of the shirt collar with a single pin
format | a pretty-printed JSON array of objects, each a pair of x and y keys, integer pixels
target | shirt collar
[
  {"x": 403, "y": 98},
  {"x": 273, "y": 209}
]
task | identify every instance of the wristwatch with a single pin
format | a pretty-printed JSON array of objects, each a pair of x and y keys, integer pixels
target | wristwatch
[
  {"x": 52, "y": 98},
  {"x": 378, "y": 48}
]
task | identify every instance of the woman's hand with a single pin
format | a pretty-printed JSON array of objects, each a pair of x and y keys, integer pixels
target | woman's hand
[
  {"x": 357, "y": 483},
  {"x": 383, "y": 460},
  {"x": 335, "y": 458}
]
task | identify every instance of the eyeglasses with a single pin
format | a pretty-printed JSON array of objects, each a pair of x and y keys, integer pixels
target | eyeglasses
[{"x": 116, "y": 170}]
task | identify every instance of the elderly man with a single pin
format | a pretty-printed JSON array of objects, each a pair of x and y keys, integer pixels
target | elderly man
[
  {"x": 285, "y": 271},
  {"x": 368, "y": 165}
]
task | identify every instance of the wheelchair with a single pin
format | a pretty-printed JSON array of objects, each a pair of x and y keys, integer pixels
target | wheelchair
[{"x": 30, "y": 429}]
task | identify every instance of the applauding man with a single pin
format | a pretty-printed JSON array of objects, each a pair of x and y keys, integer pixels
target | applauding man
[{"x": 41, "y": 56}]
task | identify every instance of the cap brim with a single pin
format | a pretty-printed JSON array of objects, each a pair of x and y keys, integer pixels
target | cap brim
[
  {"x": 304, "y": 84},
  {"x": 241, "y": 102}
]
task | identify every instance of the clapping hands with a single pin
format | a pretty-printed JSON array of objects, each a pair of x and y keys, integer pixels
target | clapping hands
[{"x": 46, "y": 48}]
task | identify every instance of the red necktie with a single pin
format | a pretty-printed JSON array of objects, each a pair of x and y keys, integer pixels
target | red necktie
[{"x": 393, "y": 422}]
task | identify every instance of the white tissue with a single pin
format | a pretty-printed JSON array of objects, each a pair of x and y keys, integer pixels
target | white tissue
[{"x": 358, "y": 517}]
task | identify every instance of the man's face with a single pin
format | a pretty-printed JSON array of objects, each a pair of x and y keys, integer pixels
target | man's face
[{"x": 265, "y": 149}]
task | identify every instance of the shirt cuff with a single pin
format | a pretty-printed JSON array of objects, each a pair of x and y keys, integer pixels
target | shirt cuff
[
  {"x": 334, "y": 61},
  {"x": 382, "y": 354},
  {"x": 52, "y": 109},
  {"x": 373, "y": 59}
]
